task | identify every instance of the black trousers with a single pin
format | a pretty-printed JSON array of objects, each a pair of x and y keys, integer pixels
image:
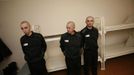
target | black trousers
[
  {"x": 73, "y": 65},
  {"x": 90, "y": 62},
  {"x": 38, "y": 68}
]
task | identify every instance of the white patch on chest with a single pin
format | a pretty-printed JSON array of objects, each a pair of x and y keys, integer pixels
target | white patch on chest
[
  {"x": 66, "y": 40},
  {"x": 88, "y": 35},
  {"x": 25, "y": 44}
]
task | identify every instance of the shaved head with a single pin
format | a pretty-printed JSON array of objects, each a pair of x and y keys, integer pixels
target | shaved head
[
  {"x": 89, "y": 21},
  {"x": 71, "y": 23},
  {"x": 70, "y": 27},
  {"x": 25, "y": 27},
  {"x": 25, "y": 22},
  {"x": 89, "y": 17}
]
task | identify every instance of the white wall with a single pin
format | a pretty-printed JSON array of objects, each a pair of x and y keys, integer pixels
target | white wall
[
  {"x": 52, "y": 13},
  {"x": 52, "y": 16}
]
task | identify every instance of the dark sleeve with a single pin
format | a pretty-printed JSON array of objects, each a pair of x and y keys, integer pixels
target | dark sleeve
[
  {"x": 62, "y": 43},
  {"x": 62, "y": 46},
  {"x": 4, "y": 50},
  {"x": 43, "y": 44},
  {"x": 82, "y": 39},
  {"x": 96, "y": 35},
  {"x": 22, "y": 45}
]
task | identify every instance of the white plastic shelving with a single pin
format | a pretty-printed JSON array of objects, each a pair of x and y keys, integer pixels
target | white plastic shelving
[{"x": 55, "y": 58}]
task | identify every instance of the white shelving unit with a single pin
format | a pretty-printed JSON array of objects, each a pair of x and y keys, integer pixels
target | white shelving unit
[
  {"x": 112, "y": 51},
  {"x": 55, "y": 58},
  {"x": 116, "y": 50}
]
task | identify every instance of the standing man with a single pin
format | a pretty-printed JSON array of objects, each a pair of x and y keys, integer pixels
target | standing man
[
  {"x": 70, "y": 44},
  {"x": 34, "y": 47},
  {"x": 90, "y": 46}
]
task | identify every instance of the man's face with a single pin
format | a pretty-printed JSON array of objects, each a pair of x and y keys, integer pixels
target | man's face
[
  {"x": 25, "y": 28},
  {"x": 90, "y": 21},
  {"x": 70, "y": 28}
]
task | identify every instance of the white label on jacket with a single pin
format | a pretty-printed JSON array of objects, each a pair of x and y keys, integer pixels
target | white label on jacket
[
  {"x": 66, "y": 40},
  {"x": 25, "y": 44},
  {"x": 87, "y": 35}
]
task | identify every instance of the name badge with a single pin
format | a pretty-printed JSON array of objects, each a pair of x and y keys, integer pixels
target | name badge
[
  {"x": 87, "y": 35},
  {"x": 25, "y": 44},
  {"x": 66, "y": 40}
]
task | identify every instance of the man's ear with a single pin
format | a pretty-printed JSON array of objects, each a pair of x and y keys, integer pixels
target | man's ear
[
  {"x": 86, "y": 21},
  {"x": 30, "y": 27}
]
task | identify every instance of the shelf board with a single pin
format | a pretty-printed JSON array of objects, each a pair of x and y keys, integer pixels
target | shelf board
[
  {"x": 52, "y": 39},
  {"x": 117, "y": 50},
  {"x": 118, "y": 27}
]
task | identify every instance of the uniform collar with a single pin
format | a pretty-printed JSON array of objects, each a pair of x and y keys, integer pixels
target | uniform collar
[
  {"x": 73, "y": 34},
  {"x": 30, "y": 35},
  {"x": 89, "y": 29}
]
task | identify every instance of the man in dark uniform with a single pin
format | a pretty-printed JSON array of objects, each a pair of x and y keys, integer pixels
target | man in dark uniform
[
  {"x": 70, "y": 44},
  {"x": 90, "y": 46},
  {"x": 34, "y": 47}
]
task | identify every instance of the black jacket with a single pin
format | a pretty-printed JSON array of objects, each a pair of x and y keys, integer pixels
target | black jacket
[
  {"x": 90, "y": 37},
  {"x": 33, "y": 46},
  {"x": 71, "y": 44},
  {"x": 4, "y": 50}
]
